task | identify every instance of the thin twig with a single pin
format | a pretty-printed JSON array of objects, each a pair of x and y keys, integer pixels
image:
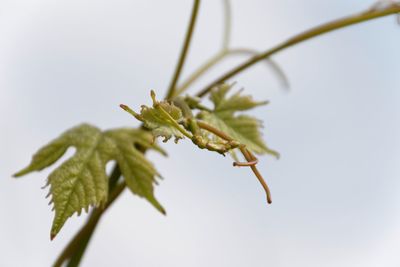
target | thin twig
[
  {"x": 312, "y": 33},
  {"x": 227, "y": 14},
  {"x": 189, "y": 33}
]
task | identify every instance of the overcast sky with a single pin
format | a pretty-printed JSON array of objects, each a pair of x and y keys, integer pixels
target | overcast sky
[{"x": 335, "y": 189}]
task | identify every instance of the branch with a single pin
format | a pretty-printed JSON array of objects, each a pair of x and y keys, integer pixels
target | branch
[
  {"x": 172, "y": 88},
  {"x": 312, "y": 33}
]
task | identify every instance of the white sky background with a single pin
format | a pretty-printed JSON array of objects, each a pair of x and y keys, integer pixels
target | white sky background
[{"x": 335, "y": 189}]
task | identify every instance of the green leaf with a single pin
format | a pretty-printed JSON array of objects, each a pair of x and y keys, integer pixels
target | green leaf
[
  {"x": 242, "y": 128},
  {"x": 81, "y": 181},
  {"x": 162, "y": 119},
  {"x": 236, "y": 102},
  {"x": 139, "y": 173}
]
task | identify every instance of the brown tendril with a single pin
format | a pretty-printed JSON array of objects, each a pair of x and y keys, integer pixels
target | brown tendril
[
  {"x": 246, "y": 153},
  {"x": 245, "y": 164}
]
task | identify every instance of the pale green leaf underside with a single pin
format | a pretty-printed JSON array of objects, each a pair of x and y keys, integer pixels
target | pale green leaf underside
[
  {"x": 81, "y": 181},
  {"x": 242, "y": 128},
  {"x": 233, "y": 103},
  {"x": 139, "y": 173}
]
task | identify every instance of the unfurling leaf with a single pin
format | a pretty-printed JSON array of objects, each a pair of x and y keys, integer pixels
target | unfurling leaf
[
  {"x": 81, "y": 181},
  {"x": 162, "y": 119},
  {"x": 242, "y": 128},
  {"x": 236, "y": 102}
]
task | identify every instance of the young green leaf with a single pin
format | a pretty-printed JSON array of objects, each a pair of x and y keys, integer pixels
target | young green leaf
[
  {"x": 235, "y": 102},
  {"x": 139, "y": 173},
  {"x": 242, "y": 128},
  {"x": 81, "y": 181},
  {"x": 162, "y": 119}
]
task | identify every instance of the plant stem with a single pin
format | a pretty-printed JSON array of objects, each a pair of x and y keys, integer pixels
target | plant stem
[
  {"x": 218, "y": 56},
  {"x": 84, "y": 238},
  {"x": 172, "y": 88},
  {"x": 91, "y": 226},
  {"x": 312, "y": 33},
  {"x": 73, "y": 252}
]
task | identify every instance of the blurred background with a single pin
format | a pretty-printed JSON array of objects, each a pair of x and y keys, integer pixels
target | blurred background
[{"x": 335, "y": 189}]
